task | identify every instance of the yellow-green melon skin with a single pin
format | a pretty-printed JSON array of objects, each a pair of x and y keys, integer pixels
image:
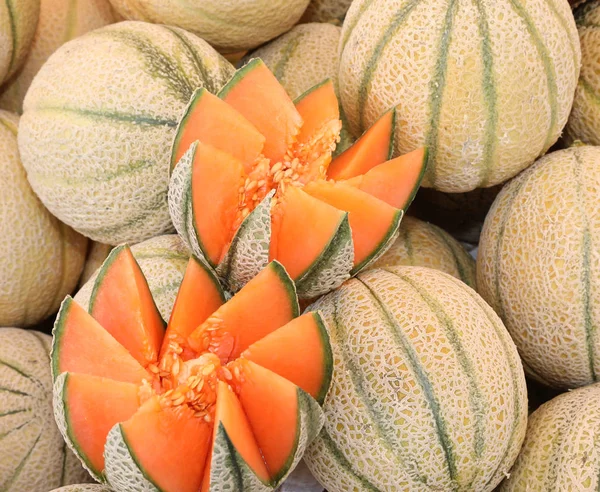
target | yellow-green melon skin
[
  {"x": 538, "y": 265},
  {"x": 560, "y": 452},
  {"x": 33, "y": 454},
  {"x": 59, "y": 22},
  {"x": 428, "y": 391},
  {"x": 163, "y": 260},
  {"x": 584, "y": 122},
  {"x": 487, "y": 86},
  {"x": 99, "y": 120},
  {"x": 97, "y": 253},
  {"x": 41, "y": 259},
  {"x": 230, "y": 25},
  {"x": 18, "y": 21},
  {"x": 83, "y": 488},
  {"x": 424, "y": 244},
  {"x": 326, "y": 11}
]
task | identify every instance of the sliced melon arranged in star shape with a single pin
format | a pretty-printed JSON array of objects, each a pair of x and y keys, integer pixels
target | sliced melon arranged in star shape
[{"x": 227, "y": 397}]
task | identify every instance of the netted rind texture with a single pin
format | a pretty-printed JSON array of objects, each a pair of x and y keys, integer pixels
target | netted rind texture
[
  {"x": 424, "y": 244},
  {"x": 33, "y": 455},
  {"x": 584, "y": 121},
  {"x": 326, "y": 11},
  {"x": 538, "y": 264},
  {"x": 487, "y": 86},
  {"x": 230, "y": 26},
  {"x": 163, "y": 261},
  {"x": 99, "y": 119},
  {"x": 560, "y": 451},
  {"x": 41, "y": 259},
  {"x": 59, "y": 21},
  {"x": 428, "y": 390},
  {"x": 83, "y": 488}
]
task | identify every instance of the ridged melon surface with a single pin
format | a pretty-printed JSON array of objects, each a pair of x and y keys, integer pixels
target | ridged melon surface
[
  {"x": 59, "y": 21},
  {"x": 230, "y": 26},
  {"x": 18, "y": 21},
  {"x": 538, "y": 261},
  {"x": 584, "y": 122},
  {"x": 424, "y": 244},
  {"x": 428, "y": 390},
  {"x": 560, "y": 451},
  {"x": 326, "y": 11},
  {"x": 163, "y": 260},
  {"x": 41, "y": 259},
  {"x": 83, "y": 488},
  {"x": 99, "y": 120},
  {"x": 33, "y": 455},
  {"x": 486, "y": 86},
  {"x": 97, "y": 253}
]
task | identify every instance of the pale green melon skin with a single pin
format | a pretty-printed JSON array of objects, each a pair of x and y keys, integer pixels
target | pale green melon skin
[
  {"x": 83, "y": 488},
  {"x": 98, "y": 123}
]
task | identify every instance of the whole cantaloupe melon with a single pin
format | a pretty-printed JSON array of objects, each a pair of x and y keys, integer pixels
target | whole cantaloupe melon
[
  {"x": 99, "y": 120},
  {"x": 424, "y": 244},
  {"x": 428, "y": 390},
  {"x": 560, "y": 452},
  {"x": 33, "y": 454},
  {"x": 326, "y": 11},
  {"x": 230, "y": 26},
  {"x": 41, "y": 259},
  {"x": 487, "y": 86},
  {"x": 539, "y": 261},
  {"x": 59, "y": 21}
]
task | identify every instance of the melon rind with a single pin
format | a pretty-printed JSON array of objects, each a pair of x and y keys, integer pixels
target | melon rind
[{"x": 83, "y": 488}]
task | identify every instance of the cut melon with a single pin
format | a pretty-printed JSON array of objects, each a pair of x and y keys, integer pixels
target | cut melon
[{"x": 239, "y": 204}]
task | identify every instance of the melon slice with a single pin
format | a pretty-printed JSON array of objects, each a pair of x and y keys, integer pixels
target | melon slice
[
  {"x": 374, "y": 147},
  {"x": 122, "y": 303}
]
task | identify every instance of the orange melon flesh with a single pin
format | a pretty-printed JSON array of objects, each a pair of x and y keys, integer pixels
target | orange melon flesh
[
  {"x": 301, "y": 229},
  {"x": 199, "y": 296},
  {"x": 81, "y": 345},
  {"x": 216, "y": 179},
  {"x": 94, "y": 405},
  {"x": 374, "y": 147},
  {"x": 122, "y": 303},
  {"x": 214, "y": 122},
  {"x": 271, "y": 404},
  {"x": 394, "y": 182},
  {"x": 269, "y": 300},
  {"x": 317, "y": 107},
  {"x": 298, "y": 352},
  {"x": 169, "y": 444},
  {"x": 370, "y": 218},
  {"x": 258, "y": 96}
]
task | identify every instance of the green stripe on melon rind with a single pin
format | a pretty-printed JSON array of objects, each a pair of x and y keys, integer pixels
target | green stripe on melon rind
[
  {"x": 332, "y": 267},
  {"x": 288, "y": 284},
  {"x": 420, "y": 177},
  {"x": 290, "y": 50},
  {"x": 385, "y": 244},
  {"x": 110, "y": 259},
  {"x": 390, "y": 154},
  {"x": 564, "y": 23},
  {"x": 456, "y": 255},
  {"x": 17, "y": 471},
  {"x": 239, "y": 75},
  {"x": 363, "y": 92},
  {"x": 139, "y": 120},
  {"x": 122, "y": 470},
  {"x": 187, "y": 113},
  {"x": 10, "y": 8},
  {"x": 327, "y": 357},
  {"x": 310, "y": 91},
  {"x": 61, "y": 415},
  {"x": 349, "y": 26},
  {"x": 57, "y": 333}
]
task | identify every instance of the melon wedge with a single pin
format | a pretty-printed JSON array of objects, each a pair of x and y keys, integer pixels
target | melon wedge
[
  {"x": 122, "y": 303},
  {"x": 318, "y": 107}
]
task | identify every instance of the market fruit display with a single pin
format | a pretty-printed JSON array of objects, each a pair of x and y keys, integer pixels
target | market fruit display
[
  {"x": 33, "y": 454},
  {"x": 486, "y": 86},
  {"x": 560, "y": 449},
  {"x": 424, "y": 244},
  {"x": 277, "y": 194},
  {"x": 96, "y": 130},
  {"x": 40, "y": 258},
  {"x": 229, "y": 26},
  {"x": 537, "y": 263},
  {"x": 227, "y": 398},
  {"x": 428, "y": 391},
  {"x": 332, "y": 11}
]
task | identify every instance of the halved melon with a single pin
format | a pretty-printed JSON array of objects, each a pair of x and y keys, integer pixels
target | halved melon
[{"x": 223, "y": 213}]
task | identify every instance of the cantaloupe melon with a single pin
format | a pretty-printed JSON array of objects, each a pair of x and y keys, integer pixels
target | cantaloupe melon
[
  {"x": 40, "y": 258},
  {"x": 230, "y": 26},
  {"x": 560, "y": 451},
  {"x": 487, "y": 86},
  {"x": 96, "y": 254},
  {"x": 84, "y": 488},
  {"x": 332, "y": 11},
  {"x": 537, "y": 261},
  {"x": 59, "y": 21},
  {"x": 99, "y": 119},
  {"x": 424, "y": 244},
  {"x": 584, "y": 121},
  {"x": 428, "y": 390},
  {"x": 163, "y": 260},
  {"x": 33, "y": 455},
  {"x": 227, "y": 398},
  {"x": 18, "y": 21}
]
